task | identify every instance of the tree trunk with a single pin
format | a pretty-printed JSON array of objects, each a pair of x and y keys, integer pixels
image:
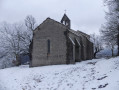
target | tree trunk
[
  {"x": 95, "y": 54},
  {"x": 18, "y": 61},
  {"x": 112, "y": 52},
  {"x": 118, "y": 41},
  {"x": 118, "y": 44}
]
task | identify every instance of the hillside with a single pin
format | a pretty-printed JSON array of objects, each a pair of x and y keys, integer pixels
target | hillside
[{"x": 98, "y": 74}]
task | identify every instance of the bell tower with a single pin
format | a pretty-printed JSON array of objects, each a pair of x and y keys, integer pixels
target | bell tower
[{"x": 66, "y": 21}]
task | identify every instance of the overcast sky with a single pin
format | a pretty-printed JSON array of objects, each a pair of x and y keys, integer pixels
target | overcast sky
[{"x": 85, "y": 15}]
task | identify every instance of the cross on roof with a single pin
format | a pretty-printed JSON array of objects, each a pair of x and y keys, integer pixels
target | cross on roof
[{"x": 65, "y": 11}]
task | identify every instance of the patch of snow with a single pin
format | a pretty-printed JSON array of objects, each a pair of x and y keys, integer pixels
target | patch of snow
[{"x": 97, "y": 74}]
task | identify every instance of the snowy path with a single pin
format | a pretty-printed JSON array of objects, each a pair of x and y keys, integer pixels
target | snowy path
[{"x": 100, "y": 74}]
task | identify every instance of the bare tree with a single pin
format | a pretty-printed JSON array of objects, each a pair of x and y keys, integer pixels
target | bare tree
[
  {"x": 97, "y": 44},
  {"x": 30, "y": 23},
  {"x": 110, "y": 29},
  {"x": 109, "y": 36},
  {"x": 111, "y": 45},
  {"x": 15, "y": 40}
]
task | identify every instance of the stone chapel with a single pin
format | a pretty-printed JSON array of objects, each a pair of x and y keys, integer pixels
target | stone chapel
[{"x": 56, "y": 43}]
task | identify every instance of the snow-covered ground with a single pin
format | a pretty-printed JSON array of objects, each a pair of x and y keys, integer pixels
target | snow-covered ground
[{"x": 100, "y": 74}]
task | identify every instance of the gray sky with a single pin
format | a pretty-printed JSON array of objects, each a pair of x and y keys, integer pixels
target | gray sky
[{"x": 85, "y": 15}]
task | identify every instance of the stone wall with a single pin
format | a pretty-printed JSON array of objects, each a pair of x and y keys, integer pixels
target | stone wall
[
  {"x": 76, "y": 48},
  {"x": 53, "y": 31},
  {"x": 84, "y": 51}
]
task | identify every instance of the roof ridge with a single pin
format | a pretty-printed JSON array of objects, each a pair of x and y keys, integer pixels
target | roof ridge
[
  {"x": 56, "y": 21},
  {"x": 71, "y": 30},
  {"x": 49, "y": 19},
  {"x": 83, "y": 33},
  {"x": 41, "y": 23}
]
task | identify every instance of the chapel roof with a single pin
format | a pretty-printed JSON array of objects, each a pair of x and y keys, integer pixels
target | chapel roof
[{"x": 78, "y": 33}]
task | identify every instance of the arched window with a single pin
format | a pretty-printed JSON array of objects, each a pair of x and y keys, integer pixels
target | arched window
[{"x": 48, "y": 45}]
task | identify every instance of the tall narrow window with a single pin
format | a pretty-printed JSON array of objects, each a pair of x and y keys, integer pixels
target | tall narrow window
[{"x": 48, "y": 43}]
